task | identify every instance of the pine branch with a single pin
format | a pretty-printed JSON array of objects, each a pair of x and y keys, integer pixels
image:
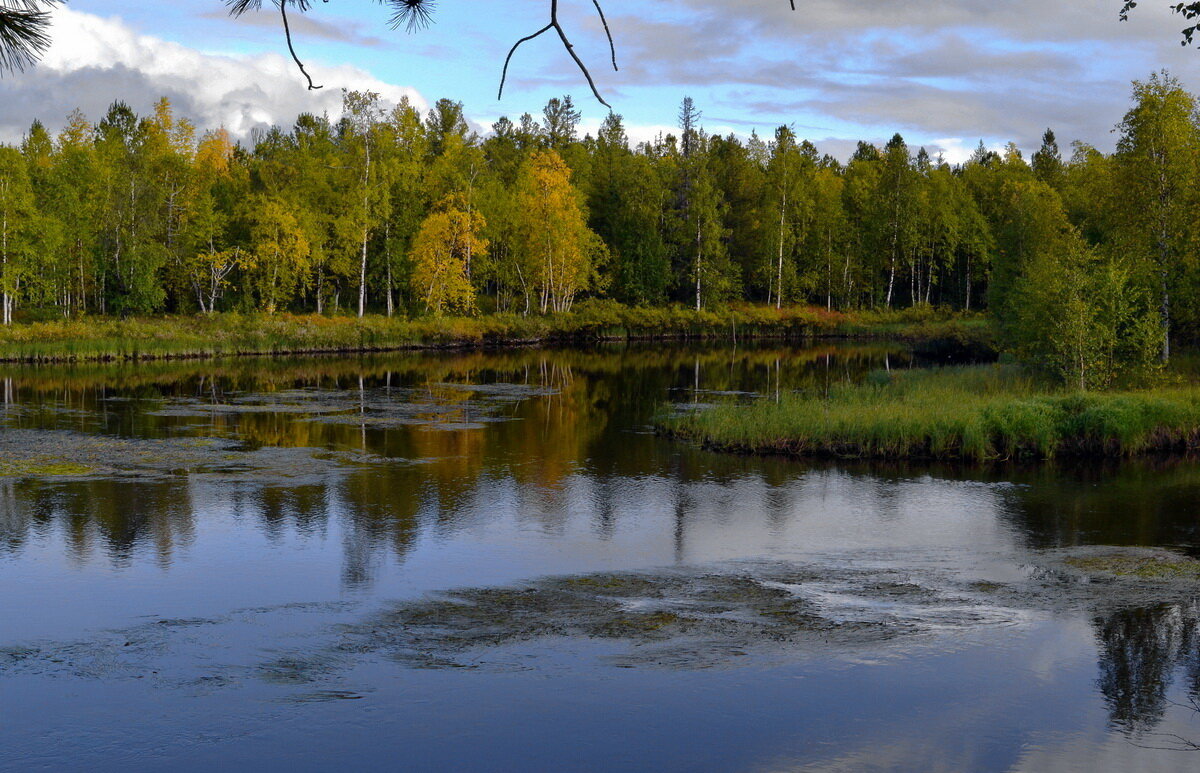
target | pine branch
[{"x": 24, "y": 32}]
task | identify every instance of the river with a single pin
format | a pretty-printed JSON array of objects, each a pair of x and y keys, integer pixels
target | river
[{"x": 488, "y": 561}]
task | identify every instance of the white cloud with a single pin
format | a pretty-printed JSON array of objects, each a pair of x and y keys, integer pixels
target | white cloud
[{"x": 94, "y": 61}]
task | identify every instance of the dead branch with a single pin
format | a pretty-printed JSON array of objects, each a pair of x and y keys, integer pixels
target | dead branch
[
  {"x": 562, "y": 35},
  {"x": 287, "y": 31}
]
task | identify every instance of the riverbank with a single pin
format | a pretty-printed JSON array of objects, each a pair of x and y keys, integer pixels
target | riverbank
[
  {"x": 975, "y": 413},
  {"x": 232, "y": 334}
]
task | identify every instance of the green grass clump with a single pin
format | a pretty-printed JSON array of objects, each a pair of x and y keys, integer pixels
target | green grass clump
[{"x": 978, "y": 413}]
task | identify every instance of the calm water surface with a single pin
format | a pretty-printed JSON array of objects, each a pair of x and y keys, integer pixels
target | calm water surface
[{"x": 486, "y": 561}]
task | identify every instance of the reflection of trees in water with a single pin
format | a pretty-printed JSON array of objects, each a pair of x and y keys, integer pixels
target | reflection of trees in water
[
  {"x": 567, "y": 450},
  {"x": 117, "y": 517},
  {"x": 1141, "y": 650},
  {"x": 13, "y": 522},
  {"x": 283, "y": 509},
  {"x": 1151, "y": 501},
  {"x": 381, "y": 509}
]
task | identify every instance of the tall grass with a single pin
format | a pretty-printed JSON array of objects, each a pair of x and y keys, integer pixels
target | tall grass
[
  {"x": 984, "y": 412},
  {"x": 239, "y": 334}
]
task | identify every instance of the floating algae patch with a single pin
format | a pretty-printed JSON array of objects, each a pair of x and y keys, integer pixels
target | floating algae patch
[
  {"x": 721, "y": 616},
  {"x": 441, "y": 406},
  {"x": 43, "y": 467},
  {"x": 1135, "y": 563},
  {"x": 427, "y": 416},
  {"x": 718, "y": 616},
  {"x": 137, "y": 652},
  {"x": 674, "y": 619},
  {"x": 64, "y": 454},
  {"x": 197, "y": 655}
]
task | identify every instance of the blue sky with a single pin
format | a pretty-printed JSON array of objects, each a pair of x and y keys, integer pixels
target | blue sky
[{"x": 945, "y": 73}]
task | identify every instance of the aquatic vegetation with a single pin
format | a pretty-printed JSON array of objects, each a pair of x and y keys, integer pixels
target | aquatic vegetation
[
  {"x": 1144, "y": 564},
  {"x": 42, "y": 467},
  {"x": 978, "y": 413},
  {"x": 61, "y": 454},
  {"x": 676, "y": 619}
]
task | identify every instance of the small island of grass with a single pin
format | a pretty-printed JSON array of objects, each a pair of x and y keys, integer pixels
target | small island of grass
[{"x": 975, "y": 413}]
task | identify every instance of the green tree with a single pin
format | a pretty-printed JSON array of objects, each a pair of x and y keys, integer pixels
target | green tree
[
  {"x": 281, "y": 253},
  {"x": 626, "y": 202},
  {"x": 897, "y": 200},
  {"x": 1083, "y": 318},
  {"x": 1048, "y": 162},
  {"x": 364, "y": 116},
  {"x": 1157, "y": 171},
  {"x": 16, "y": 221},
  {"x": 789, "y": 190},
  {"x": 131, "y": 238}
]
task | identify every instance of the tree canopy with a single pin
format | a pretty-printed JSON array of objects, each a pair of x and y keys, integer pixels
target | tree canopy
[{"x": 1089, "y": 261}]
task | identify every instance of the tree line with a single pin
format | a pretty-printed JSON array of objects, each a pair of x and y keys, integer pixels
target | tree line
[{"x": 1087, "y": 259}]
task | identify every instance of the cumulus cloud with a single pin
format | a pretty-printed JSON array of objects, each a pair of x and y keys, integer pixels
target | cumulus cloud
[{"x": 94, "y": 61}]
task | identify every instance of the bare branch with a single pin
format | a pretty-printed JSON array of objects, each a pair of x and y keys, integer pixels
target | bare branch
[
  {"x": 562, "y": 35},
  {"x": 526, "y": 39},
  {"x": 582, "y": 67},
  {"x": 287, "y": 31},
  {"x": 612, "y": 47}
]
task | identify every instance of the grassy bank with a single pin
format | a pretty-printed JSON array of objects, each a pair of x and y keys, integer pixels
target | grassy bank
[
  {"x": 986, "y": 412},
  {"x": 239, "y": 334}
]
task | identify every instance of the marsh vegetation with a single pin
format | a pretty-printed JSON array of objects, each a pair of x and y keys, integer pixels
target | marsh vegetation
[{"x": 977, "y": 413}]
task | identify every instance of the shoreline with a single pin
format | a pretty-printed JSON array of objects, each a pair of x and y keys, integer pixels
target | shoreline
[{"x": 151, "y": 339}]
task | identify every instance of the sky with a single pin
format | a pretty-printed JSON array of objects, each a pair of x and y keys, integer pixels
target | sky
[{"x": 946, "y": 74}]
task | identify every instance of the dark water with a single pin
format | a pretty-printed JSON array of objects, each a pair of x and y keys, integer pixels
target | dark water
[{"x": 487, "y": 562}]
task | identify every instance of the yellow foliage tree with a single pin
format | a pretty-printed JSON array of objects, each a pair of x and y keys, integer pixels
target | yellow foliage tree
[
  {"x": 558, "y": 252},
  {"x": 441, "y": 256},
  {"x": 282, "y": 253}
]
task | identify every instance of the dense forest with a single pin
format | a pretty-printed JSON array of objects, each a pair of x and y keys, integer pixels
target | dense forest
[{"x": 1087, "y": 259}]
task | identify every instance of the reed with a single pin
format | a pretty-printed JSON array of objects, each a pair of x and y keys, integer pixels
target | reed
[{"x": 977, "y": 413}]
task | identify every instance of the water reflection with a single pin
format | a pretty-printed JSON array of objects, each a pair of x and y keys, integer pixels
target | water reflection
[
  {"x": 535, "y": 448},
  {"x": 1141, "y": 651},
  {"x": 394, "y": 476}
]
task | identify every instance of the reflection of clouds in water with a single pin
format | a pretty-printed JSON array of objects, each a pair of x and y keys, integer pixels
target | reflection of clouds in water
[
  {"x": 831, "y": 510},
  {"x": 592, "y": 518},
  {"x": 1097, "y": 751}
]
